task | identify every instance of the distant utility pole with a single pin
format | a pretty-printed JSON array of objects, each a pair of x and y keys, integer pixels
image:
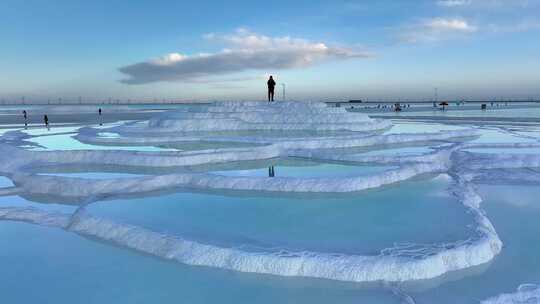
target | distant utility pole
[{"x": 283, "y": 85}]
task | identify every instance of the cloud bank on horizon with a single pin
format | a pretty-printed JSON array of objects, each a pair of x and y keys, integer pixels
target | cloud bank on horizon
[{"x": 245, "y": 51}]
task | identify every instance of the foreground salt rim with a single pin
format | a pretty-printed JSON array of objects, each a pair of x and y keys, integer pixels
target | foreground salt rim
[
  {"x": 392, "y": 265},
  {"x": 397, "y": 264}
]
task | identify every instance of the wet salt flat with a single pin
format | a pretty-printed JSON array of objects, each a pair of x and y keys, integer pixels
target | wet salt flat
[
  {"x": 497, "y": 110},
  {"x": 356, "y": 210},
  {"x": 414, "y": 127}
]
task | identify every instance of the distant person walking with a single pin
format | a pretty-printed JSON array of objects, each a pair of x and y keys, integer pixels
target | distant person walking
[
  {"x": 99, "y": 111},
  {"x": 46, "y": 120},
  {"x": 100, "y": 120},
  {"x": 271, "y": 85}
]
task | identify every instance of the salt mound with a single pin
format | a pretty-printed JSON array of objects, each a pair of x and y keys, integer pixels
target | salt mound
[{"x": 225, "y": 116}]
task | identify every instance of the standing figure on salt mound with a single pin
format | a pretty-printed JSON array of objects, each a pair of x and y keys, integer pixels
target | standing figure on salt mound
[{"x": 271, "y": 85}]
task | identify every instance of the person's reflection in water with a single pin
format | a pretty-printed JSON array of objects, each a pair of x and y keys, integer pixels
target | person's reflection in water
[
  {"x": 46, "y": 121},
  {"x": 271, "y": 172},
  {"x": 25, "y": 115}
]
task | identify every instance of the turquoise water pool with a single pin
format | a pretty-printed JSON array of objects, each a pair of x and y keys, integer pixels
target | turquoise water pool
[{"x": 363, "y": 223}]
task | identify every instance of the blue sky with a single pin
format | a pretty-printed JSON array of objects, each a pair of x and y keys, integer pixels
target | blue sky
[{"x": 321, "y": 50}]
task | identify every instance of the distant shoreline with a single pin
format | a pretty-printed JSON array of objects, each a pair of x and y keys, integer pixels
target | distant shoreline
[{"x": 352, "y": 102}]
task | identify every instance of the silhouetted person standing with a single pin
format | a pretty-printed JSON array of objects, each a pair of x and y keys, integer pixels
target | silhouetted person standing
[
  {"x": 46, "y": 120},
  {"x": 99, "y": 111},
  {"x": 271, "y": 85}
]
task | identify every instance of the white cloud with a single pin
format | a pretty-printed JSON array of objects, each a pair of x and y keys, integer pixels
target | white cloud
[
  {"x": 436, "y": 29},
  {"x": 245, "y": 51},
  {"x": 453, "y": 3},
  {"x": 447, "y": 25},
  {"x": 491, "y": 4}
]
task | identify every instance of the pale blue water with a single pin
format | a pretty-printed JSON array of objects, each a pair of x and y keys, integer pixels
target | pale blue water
[
  {"x": 419, "y": 127},
  {"x": 48, "y": 265},
  {"x": 45, "y": 131},
  {"x": 505, "y": 150},
  {"x": 364, "y": 222},
  {"x": 5, "y": 182},
  {"x": 405, "y": 151},
  {"x": 492, "y": 135},
  {"x": 514, "y": 211},
  {"x": 34, "y": 202},
  {"x": 67, "y": 142},
  {"x": 52, "y": 266}
]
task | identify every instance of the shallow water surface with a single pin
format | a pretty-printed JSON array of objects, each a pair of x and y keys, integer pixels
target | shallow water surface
[
  {"x": 72, "y": 269},
  {"x": 361, "y": 223},
  {"x": 514, "y": 210},
  {"x": 411, "y": 208}
]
